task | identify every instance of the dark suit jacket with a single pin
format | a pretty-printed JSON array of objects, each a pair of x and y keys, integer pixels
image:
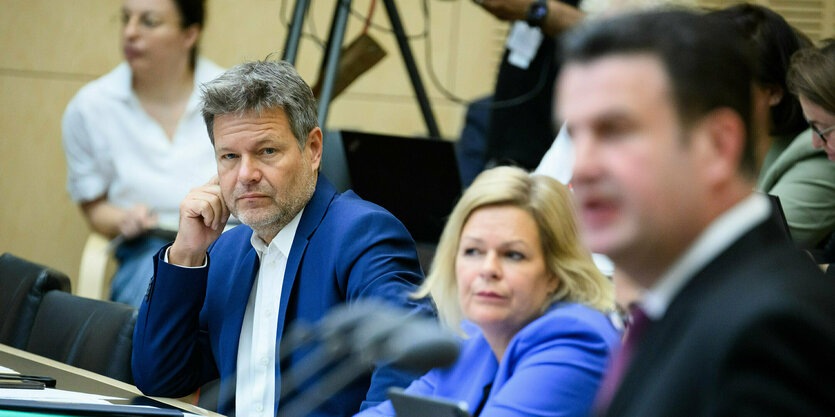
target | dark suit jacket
[
  {"x": 752, "y": 334},
  {"x": 344, "y": 249}
]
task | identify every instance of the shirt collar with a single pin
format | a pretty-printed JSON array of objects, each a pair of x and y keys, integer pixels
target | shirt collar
[
  {"x": 283, "y": 241},
  {"x": 718, "y": 236},
  {"x": 203, "y": 73},
  {"x": 119, "y": 82}
]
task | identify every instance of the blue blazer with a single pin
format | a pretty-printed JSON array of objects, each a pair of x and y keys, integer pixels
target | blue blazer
[
  {"x": 344, "y": 249},
  {"x": 552, "y": 367}
]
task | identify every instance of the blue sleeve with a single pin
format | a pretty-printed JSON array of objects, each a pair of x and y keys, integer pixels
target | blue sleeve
[
  {"x": 385, "y": 267},
  {"x": 171, "y": 351},
  {"x": 558, "y": 374}
]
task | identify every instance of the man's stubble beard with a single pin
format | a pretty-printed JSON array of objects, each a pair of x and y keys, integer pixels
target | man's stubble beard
[{"x": 287, "y": 208}]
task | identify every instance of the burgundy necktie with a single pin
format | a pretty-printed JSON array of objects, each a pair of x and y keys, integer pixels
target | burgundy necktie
[{"x": 617, "y": 367}]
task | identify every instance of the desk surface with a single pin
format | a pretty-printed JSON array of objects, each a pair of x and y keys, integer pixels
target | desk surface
[{"x": 77, "y": 379}]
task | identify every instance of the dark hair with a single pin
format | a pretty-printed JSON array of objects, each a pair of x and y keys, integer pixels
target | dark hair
[
  {"x": 192, "y": 12},
  {"x": 773, "y": 41},
  {"x": 707, "y": 64},
  {"x": 812, "y": 74}
]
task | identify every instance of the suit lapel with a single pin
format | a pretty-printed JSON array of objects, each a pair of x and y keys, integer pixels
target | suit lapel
[
  {"x": 661, "y": 337},
  {"x": 313, "y": 214}
]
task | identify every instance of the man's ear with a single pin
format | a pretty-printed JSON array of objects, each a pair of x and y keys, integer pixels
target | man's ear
[
  {"x": 721, "y": 145},
  {"x": 313, "y": 148}
]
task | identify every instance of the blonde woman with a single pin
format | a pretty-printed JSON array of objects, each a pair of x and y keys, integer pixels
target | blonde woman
[{"x": 511, "y": 275}]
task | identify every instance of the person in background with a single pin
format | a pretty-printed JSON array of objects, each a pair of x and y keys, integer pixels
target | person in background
[
  {"x": 550, "y": 16},
  {"x": 519, "y": 126},
  {"x": 510, "y": 272},
  {"x": 812, "y": 77},
  {"x": 735, "y": 320},
  {"x": 134, "y": 139},
  {"x": 791, "y": 168}
]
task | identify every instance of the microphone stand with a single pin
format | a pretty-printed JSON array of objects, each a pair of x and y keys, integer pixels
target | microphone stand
[
  {"x": 352, "y": 340},
  {"x": 349, "y": 342}
]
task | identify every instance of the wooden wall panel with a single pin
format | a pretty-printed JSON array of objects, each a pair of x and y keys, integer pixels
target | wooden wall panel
[
  {"x": 816, "y": 18},
  {"x": 242, "y": 30},
  {"x": 60, "y": 38},
  {"x": 359, "y": 112},
  {"x": 37, "y": 219}
]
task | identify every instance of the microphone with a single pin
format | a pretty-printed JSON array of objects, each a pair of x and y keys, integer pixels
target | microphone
[
  {"x": 411, "y": 343},
  {"x": 352, "y": 338}
]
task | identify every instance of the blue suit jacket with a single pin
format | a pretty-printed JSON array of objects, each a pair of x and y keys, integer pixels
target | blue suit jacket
[
  {"x": 344, "y": 249},
  {"x": 552, "y": 367}
]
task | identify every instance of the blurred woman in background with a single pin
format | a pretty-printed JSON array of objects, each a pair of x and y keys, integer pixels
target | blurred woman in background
[
  {"x": 791, "y": 169},
  {"x": 812, "y": 78},
  {"x": 134, "y": 139},
  {"x": 510, "y": 273}
]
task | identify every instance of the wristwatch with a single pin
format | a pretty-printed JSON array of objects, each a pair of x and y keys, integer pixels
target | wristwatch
[{"x": 536, "y": 13}]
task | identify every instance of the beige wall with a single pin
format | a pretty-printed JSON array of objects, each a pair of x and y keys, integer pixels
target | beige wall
[{"x": 50, "y": 48}]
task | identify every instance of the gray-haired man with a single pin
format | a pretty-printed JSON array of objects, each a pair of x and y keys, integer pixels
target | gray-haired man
[{"x": 218, "y": 304}]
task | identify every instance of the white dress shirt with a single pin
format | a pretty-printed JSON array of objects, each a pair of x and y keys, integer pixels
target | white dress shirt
[
  {"x": 255, "y": 389},
  {"x": 114, "y": 148},
  {"x": 718, "y": 236}
]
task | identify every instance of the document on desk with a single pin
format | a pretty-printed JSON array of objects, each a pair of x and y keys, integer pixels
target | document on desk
[
  {"x": 54, "y": 395},
  {"x": 90, "y": 410}
]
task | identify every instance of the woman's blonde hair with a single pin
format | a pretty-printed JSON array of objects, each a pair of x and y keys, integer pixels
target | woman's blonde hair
[{"x": 549, "y": 204}]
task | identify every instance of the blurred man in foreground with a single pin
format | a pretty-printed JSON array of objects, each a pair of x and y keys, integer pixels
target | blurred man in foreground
[{"x": 734, "y": 321}]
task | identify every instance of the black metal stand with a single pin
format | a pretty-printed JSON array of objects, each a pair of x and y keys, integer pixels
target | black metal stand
[{"x": 334, "y": 47}]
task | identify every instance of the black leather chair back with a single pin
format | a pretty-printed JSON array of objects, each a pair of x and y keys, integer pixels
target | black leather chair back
[
  {"x": 22, "y": 286},
  {"x": 90, "y": 334}
]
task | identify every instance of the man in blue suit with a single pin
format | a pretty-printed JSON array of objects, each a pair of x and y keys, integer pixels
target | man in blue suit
[{"x": 219, "y": 303}]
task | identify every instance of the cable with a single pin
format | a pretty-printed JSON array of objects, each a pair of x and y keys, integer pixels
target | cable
[
  {"x": 284, "y": 20},
  {"x": 430, "y": 67},
  {"x": 368, "y": 18},
  {"x": 381, "y": 28},
  {"x": 313, "y": 31}
]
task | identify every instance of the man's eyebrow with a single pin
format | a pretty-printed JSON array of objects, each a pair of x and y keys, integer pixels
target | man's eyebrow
[
  {"x": 606, "y": 117},
  {"x": 614, "y": 114},
  {"x": 259, "y": 142}
]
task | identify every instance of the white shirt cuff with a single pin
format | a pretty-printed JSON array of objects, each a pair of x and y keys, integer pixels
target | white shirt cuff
[{"x": 205, "y": 261}]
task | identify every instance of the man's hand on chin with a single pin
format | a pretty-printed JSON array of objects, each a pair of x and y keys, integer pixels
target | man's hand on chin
[{"x": 203, "y": 215}]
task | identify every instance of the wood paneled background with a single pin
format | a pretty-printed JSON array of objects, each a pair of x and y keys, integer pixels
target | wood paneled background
[{"x": 51, "y": 48}]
